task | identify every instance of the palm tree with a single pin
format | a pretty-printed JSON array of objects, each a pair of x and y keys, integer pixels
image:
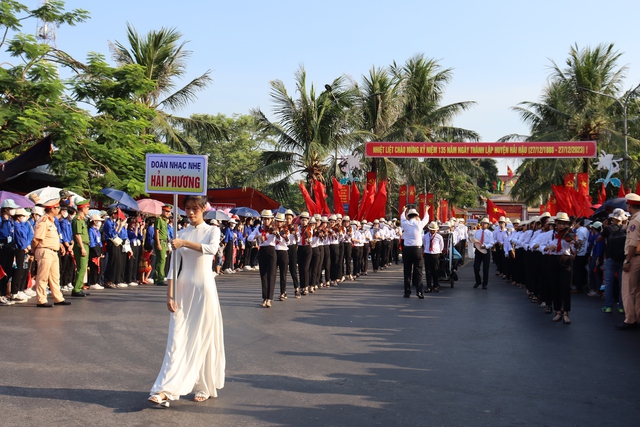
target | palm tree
[
  {"x": 164, "y": 59},
  {"x": 308, "y": 131},
  {"x": 572, "y": 110}
]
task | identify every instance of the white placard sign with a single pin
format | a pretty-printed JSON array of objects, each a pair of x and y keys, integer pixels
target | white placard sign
[{"x": 176, "y": 174}]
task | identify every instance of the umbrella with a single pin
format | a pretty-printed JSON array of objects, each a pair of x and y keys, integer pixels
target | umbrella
[
  {"x": 21, "y": 201},
  {"x": 123, "y": 208},
  {"x": 246, "y": 212},
  {"x": 121, "y": 197},
  {"x": 48, "y": 193},
  {"x": 608, "y": 207},
  {"x": 219, "y": 215},
  {"x": 150, "y": 206}
]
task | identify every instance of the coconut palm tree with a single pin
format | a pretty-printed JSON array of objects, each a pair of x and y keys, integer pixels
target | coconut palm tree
[
  {"x": 572, "y": 109},
  {"x": 164, "y": 60},
  {"x": 308, "y": 131}
]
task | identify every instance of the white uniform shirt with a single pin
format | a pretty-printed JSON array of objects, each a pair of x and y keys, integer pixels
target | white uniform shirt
[
  {"x": 412, "y": 229},
  {"x": 438, "y": 243}
]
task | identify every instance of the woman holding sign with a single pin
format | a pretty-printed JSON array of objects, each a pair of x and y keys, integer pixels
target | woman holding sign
[{"x": 194, "y": 360}]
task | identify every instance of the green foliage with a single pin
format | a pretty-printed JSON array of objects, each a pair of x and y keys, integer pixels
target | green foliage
[{"x": 232, "y": 160}]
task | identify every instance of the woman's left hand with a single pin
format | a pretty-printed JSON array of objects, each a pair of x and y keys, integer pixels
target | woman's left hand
[{"x": 177, "y": 243}]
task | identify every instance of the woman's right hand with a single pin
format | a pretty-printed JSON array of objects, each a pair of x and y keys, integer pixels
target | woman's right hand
[{"x": 172, "y": 305}]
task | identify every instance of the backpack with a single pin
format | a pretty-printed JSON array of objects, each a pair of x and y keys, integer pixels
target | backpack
[{"x": 615, "y": 243}]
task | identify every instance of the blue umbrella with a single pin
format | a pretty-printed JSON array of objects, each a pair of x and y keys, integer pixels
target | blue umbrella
[
  {"x": 246, "y": 212},
  {"x": 608, "y": 207},
  {"x": 121, "y": 197},
  {"x": 217, "y": 215}
]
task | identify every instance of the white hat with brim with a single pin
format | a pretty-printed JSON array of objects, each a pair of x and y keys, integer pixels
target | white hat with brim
[
  {"x": 485, "y": 220},
  {"x": 266, "y": 213},
  {"x": 545, "y": 215},
  {"x": 96, "y": 217},
  {"x": 37, "y": 210},
  {"x": 562, "y": 216},
  {"x": 10, "y": 204},
  {"x": 412, "y": 212},
  {"x": 632, "y": 199},
  {"x": 21, "y": 212},
  {"x": 433, "y": 226},
  {"x": 280, "y": 217},
  {"x": 502, "y": 219}
]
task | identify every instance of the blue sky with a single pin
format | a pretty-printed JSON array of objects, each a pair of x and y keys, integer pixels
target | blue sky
[{"x": 499, "y": 51}]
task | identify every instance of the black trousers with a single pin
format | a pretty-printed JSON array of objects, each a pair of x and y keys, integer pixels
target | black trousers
[
  {"x": 431, "y": 266},
  {"x": 395, "y": 253},
  {"x": 384, "y": 253},
  {"x": 341, "y": 260},
  {"x": 580, "y": 273},
  {"x": 315, "y": 265},
  {"x": 498, "y": 256},
  {"x": 293, "y": 265},
  {"x": 67, "y": 269},
  {"x": 375, "y": 255},
  {"x": 95, "y": 269},
  {"x": 267, "y": 262},
  {"x": 282, "y": 259},
  {"x": 21, "y": 274},
  {"x": 347, "y": 258},
  {"x": 485, "y": 260},
  {"x": 356, "y": 254},
  {"x": 131, "y": 269},
  {"x": 334, "y": 253},
  {"x": 247, "y": 253},
  {"x": 114, "y": 267},
  {"x": 304, "y": 265},
  {"x": 326, "y": 263},
  {"x": 560, "y": 280},
  {"x": 228, "y": 256},
  {"x": 412, "y": 261},
  {"x": 365, "y": 257},
  {"x": 536, "y": 273}
]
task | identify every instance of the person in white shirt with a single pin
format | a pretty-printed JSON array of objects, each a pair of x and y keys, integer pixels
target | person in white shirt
[
  {"x": 433, "y": 244},
  {"x": 358, "y": 244},
  {"x": 561, "y": 248},
  {"x": 267, "y": 259},
  {"x": 282, "y": 253},
  {"x": 412, "y": 232},
  {"x": 580, "y": 275},
  {"x": 483, "y": 240},
  {"x": 366, "y": 250}
]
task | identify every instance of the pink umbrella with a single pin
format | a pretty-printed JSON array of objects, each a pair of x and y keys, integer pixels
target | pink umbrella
[{"x": 150, "y": 206}]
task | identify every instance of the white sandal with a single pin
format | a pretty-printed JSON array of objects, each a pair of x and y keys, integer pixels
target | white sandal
[
  {"x": 159, "y": 400},
  {"x": 201, "y": 396}
]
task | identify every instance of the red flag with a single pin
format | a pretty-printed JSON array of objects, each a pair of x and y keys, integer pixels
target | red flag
[
  {"x": 563, "y": 199},
  {"x": 379, "y": 207},
  {"x": 542, "y": 208},
  {"x": 402, "y": 197},
  {"x": 412, "y": 194},
  {"x": 321, "y": 198},
  {"x": 366, "y": 203},
  {"x": 509, "y": 172},
  {"x": 570, "y": 180},
  {"x": 431, "y": 204},
  {"x": 444, "y": 210},
  {"x": 621, "y": 191},
  {"x": 422, "y": 201},
  {"x": 602, "y": 195},
  {"x": 552, "y": 205},
  {"x": 337, "y": 196},
  {"x": 583, "y": 183},
  {"x": 311, "y": 205},
  {"x": 371, "y": 181},
  {"x": 121, "y": 215},
  {"x": 581, "y": 204},
  {"x": 494, "y": 212},
  {"x": 354, "y": 200}
]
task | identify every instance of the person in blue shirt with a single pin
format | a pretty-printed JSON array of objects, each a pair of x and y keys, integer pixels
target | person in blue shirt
[
  {"x": 23, "y": 236},
  {"x": 229, "y": 244},
  {"x": 67, "y": 268},
  {"x": 96, "y": 257},
  {"x": 135, "y": 241},
  {"x": 596, "y": 259},
  {"x": 240, "y": 245},
  {"x": 7, "y": 247},
  {"x": 113, "y": 272}
]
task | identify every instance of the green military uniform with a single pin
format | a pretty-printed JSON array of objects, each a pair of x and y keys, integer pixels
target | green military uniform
[
  {"x": 161, "y": 254},
  {"x": 79, "y": 227}
]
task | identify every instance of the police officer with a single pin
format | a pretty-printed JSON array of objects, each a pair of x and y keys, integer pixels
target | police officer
[
  {"x": 631, "y": 266},
  {"x": 81, "y": 247}
]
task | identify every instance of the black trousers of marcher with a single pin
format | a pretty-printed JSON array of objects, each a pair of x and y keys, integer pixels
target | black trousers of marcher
[
  {"x": 315, "y": 265},
  {"x": 341, "y": 260},
  {"x": 334, "y": 253},
  {"x": 461, "y": 247},
  {"x": 365, "y": 257},
  {"x": 282, "y": 259},
  {"x": 375, "y": 255},
  {"x": 326, "y": 261},
  {"x": 412, "y": 262},
  {"x": 580, "y": 273},
  {"x": 320, "y": 265},
  {"x": 293, "y": 265},
  {"x": 347, "y": 258},
  {"x": 485, "y": 260},
  {"x": 384, "y": 253},
  {"x": 431, "y": 266},
  {"x": 560, "y": 278},
  {"x": 267, "y": 262},
  {"x": 304, "y": 265},
  {"x": 395, "y": 253},
  {"x": 356, "y": 254}
]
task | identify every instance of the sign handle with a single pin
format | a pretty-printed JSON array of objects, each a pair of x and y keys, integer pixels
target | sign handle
[{"x": 173, "y": 256}]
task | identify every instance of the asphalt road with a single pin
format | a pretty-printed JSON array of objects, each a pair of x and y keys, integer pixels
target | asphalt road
[{"x": 356, "y": 355}]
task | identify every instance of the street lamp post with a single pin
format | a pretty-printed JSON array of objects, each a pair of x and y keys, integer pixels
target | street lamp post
[{"x": 624, "y": 113}]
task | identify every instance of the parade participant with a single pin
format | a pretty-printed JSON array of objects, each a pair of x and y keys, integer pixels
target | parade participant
[
  {"x": 367, "y": 247},
  {"x": 461, "y": 232},
  {"x": 596, "y": 253},
  {"x": 46, "y": 244},
  {"x": 112, "y": 226},
  {"x": 412, "y": 232},
  {"x": 96, "y": 256},
  {"x": 395, "y": 242},
  {"x": 23, "y": 236},
  {"x": 161, "y": 245},
  {"x": 80, "y": 247},
  {"x": 304, "y": 254},
  {"x": 326, "y": 255},
  {"x": 347, "y": 247},
  {"x": 509, "y": 253},
  {"x": 376, "y": 245},
  {"x": 385, "y": 250},
  {"x": 483, "y": 241},
  {"x": 294, "y": 238},
  {"x": 580, "y": 275},
  {"x": 66, "y": 259},
  {"x": 614, "y": 236},
  {"x": 631, "y": 266},
  {"x": 265, "y": 235},
  {"x": 562, "y": 249},
  {"x": 282, "y": 252},
  {"x": 433, "y": 244},
  {"x": 335, "y": 231},
  {"x": 356, "y": 251},
  {"x": 194, "y": 360},
  {"x": 316, "y": 254},
  {"x": 498, "y": 245}
]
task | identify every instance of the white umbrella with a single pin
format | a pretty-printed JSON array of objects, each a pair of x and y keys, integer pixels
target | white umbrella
[{"x": 48, "y": 193}]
